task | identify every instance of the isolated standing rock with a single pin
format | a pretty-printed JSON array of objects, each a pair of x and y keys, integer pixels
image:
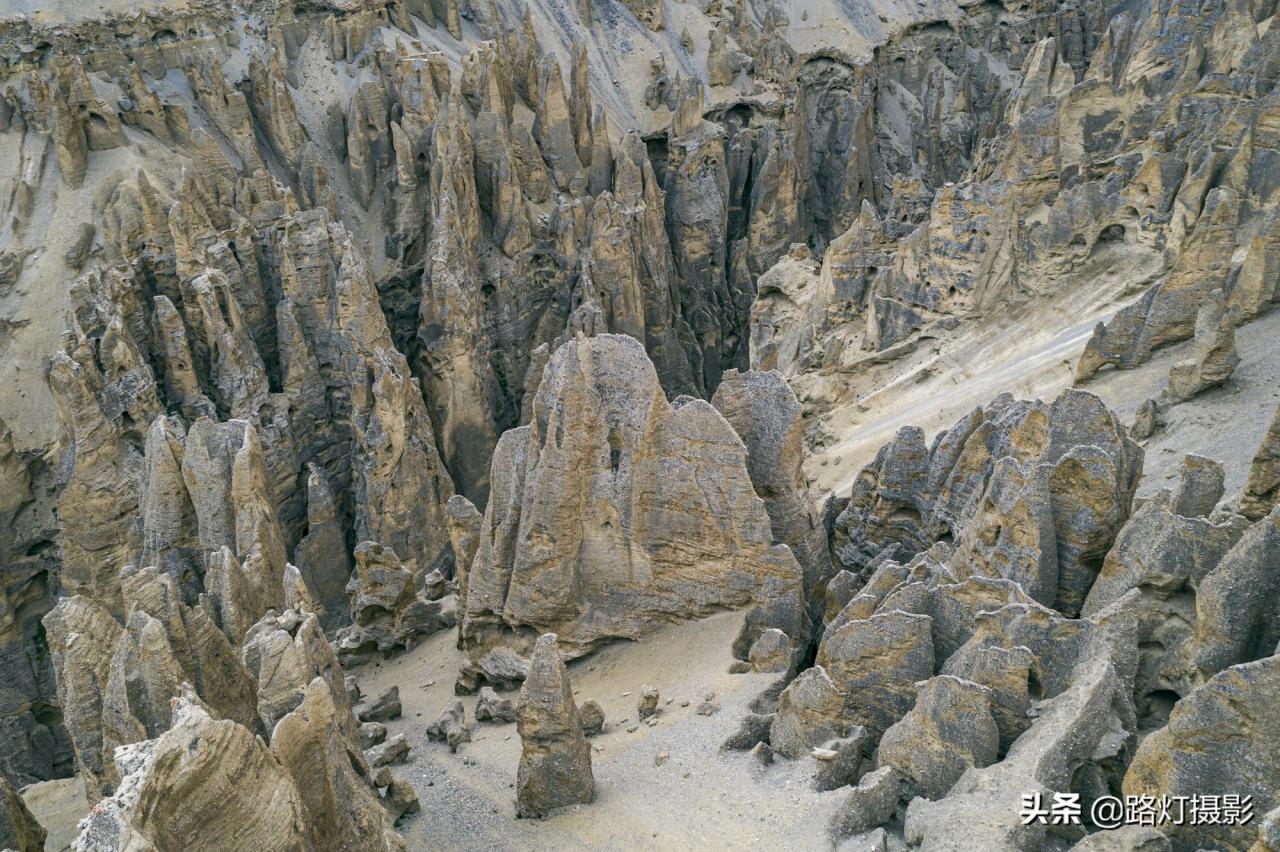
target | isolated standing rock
[
  {"x": 555, "y": 759},
  {"x": 648, "y": 703},
  {"x": 591, "y": 715},
  {"x": 451, "y": 727},
  {"x": 1213, "y": 355},
  {"x": 1262, "y": 490},
  {"x": 1200, "y": 487},
  {"x": 1147, "y": 421},
  {"x": 597, "y": 507}
]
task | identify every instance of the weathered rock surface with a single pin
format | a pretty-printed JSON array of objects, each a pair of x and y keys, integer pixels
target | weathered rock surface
[
  {"x": 1262, "y": 491},
  {"x": 388, "y": 613},
  {"x": 555, "y": 759},
  {"x": 591, "y": 717},
  {"x": 872, "y": 802},
  {"x": 490, "y": 707},
  {"x": 306, "y": 312},
  {"x": 614, "y": 511},
  {"x": 451, "y": 728},
  {"x": 1222, "y": 736},
  {"x": 19, "y": 830},
  {"x": 213, "y": 778},
  {"x": 949, "y": 730},
  {"x": 1213, "y": 357}
]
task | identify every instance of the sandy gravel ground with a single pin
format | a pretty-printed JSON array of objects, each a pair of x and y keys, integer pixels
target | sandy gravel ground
[{"x": 698, "y": 798}]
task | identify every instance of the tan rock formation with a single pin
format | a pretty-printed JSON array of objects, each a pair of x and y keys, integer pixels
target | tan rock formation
[
  {"x": 596, "y": 466},
  {"x": 555, "y": 759}
]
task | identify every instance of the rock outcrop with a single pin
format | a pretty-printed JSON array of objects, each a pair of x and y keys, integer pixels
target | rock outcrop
[
  {"x": 615, "y": 511},
  {"x": 1262, "y": 491},
  {"x": 555, "y": 759},
  {"x": 1214, "y": 354},
  {"x": 1221, "y": 737},
  {"x": 338, "y": 273},
  {"x": 19, "y": 830},
  {"x": 387, "y": 612}
]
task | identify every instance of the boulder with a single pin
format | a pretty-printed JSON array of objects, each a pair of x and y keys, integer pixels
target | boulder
[
  {"x": 1213, "y": 355},
  {"x": 394, "y": 750},
  {"x": 490, "y": 707},
  {"x": 386, "y": 706},
  {"x": 451, "y": 728},
  {"x": 873, "y": 802},
  {"x": 647, "y": 705},
  {"x": 591, "y": 716}
]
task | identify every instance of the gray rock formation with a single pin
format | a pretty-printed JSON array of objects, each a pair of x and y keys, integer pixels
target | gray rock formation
[
  {"x": 1213, "y": 355},
  {"x": 490, "y": 707},
  {"x": 555, "y": 759},
  {"x": 345, "y": 271},
  {"x": 1221, "y": 736},
  {"x": 948, "y": 730},
  {"x": 1262, "y": 491},
  {"x": 213, "y": 778}
]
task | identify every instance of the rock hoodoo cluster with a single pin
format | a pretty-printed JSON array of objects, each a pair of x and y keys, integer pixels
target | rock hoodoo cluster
[{"x": 331, "y": 329}]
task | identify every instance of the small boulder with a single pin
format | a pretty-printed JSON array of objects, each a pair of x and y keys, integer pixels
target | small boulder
[
  {"x": 371, "y": 734},
  {"x": 771, "y": 652},
  {"x": 841, "y": 762},
  {"x": 648, "y": 703},
  {"x": 400, "y": 799},
  {"x": 872, "y": 803},
  {"x": 1200, "y": 487},
  {"x": 451, "y": 727},
  {"x": 1147, "y": 421},
  {"x": 591, "y": 716},
  {"x": 394, "y": 750},
  {"x": 491, "y": 707},
  {"x": 385, "y": 706}
]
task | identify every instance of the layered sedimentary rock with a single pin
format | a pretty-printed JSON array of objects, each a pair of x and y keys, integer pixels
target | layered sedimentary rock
[
  {"x": 212, "y": 778},
  {"x": 615, "y": 511},
  {"x": 1222, "y": 736},
  {"x": 387, "y": 610},
  {"x": 1030, "y": 492},
  {"x": 763, "y": 410}
]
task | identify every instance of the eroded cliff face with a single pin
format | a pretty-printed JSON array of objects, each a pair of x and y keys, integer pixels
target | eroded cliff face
[{"x": 367, "y": 317}]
